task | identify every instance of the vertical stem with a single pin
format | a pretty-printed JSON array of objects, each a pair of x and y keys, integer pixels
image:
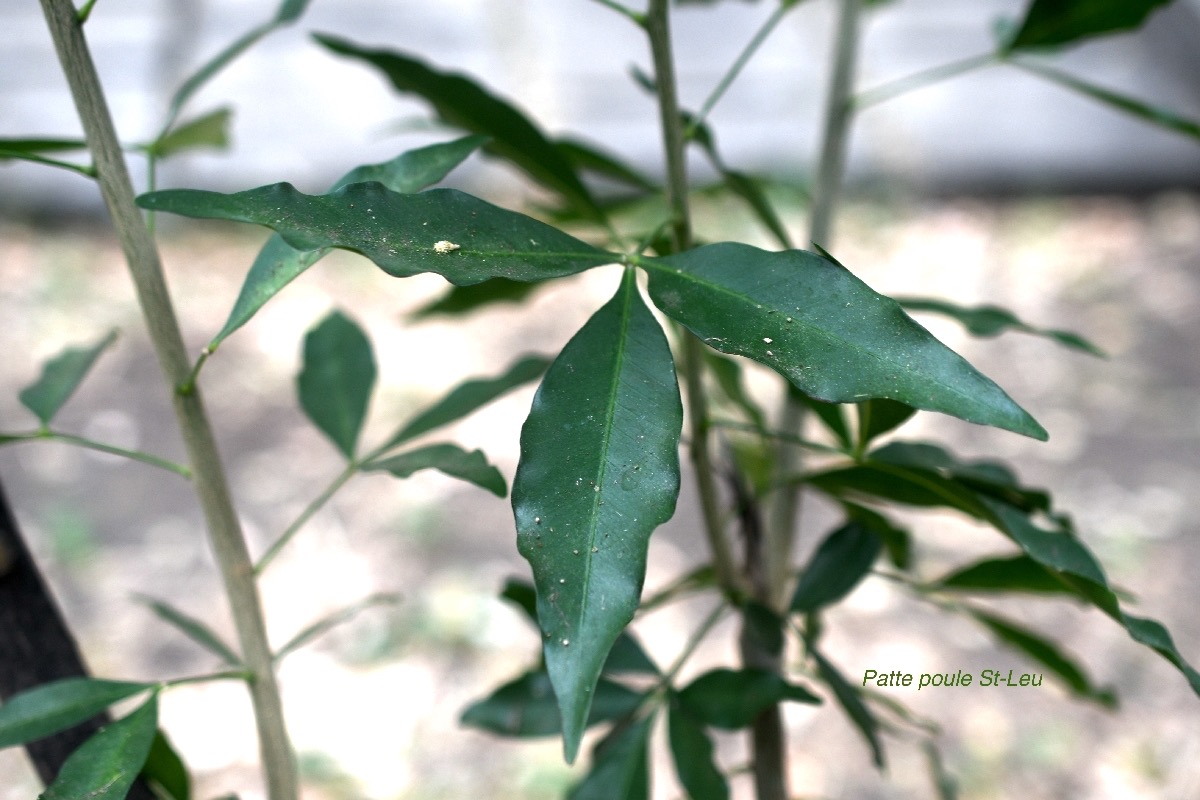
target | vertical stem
[{"x": 225, "y": 534}]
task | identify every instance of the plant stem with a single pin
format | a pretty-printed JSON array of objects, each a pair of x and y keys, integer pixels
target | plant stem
[
  {"x": 919, "y": 80},
  {"x": 212, "y": 489},
  {"x": 658, "y": 30},
  {"x": 312, "y": 508},
  {"x": 89, "y": 444}
]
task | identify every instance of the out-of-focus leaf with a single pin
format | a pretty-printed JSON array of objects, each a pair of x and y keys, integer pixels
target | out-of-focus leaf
[
  {"x": 463, "y": 103},
  {"x": 991, "y": 320},
  {"x": 840, "y": 562},
  {"x": 1057, "y": 22},
  {"x": 52, "y": 707},
  {"x": 896, "y": 540},
  {"x": 728, "y": 373},
  {"x": 826, "y": 331},
  {"x": 1015, "y": 574},
  {"x": 527, "y": 707},
  {"x": 60, "y": 377},
  {"x": 743, "y": 186},
  {"x": 165, "y": 771},
  {"x": 336, "y": 381},
  {"x": 1046, "y": 653},
  {"x": 585, "y": 157},
  {"x": 599, "y": 471},
  {"x": 460, "y": 237},
  {"x": 848, "y": 698},
  {"x": 991, "y": 478},
  {"x": 522, "y": 595},
  {"x": 192, "y": 628},
  {"x": 20, "y": 148},
  {"x": 620, "y": 767},
  {"x": 732, "y": 699},
  {"x": 469, "y": 396},
  {"x": 107, "y": 764},
  {"x": 465, "y": 299},
  {"x": 208, "y": 131},
  {"x": 877, "y": 417},
  {"x": 627, "y": 657},
  {"x": 331, "y": 621},
  {"x": 449, "y": 459},
  {"x": 278, "y": 263},
  {"x": 1155, "y": 115},
  {"x": 692, "y": 752},
  {"x": 831, "y": 415}
]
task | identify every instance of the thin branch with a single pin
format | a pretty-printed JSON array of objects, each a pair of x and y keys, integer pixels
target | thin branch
[{"x": 920, "y": 80}]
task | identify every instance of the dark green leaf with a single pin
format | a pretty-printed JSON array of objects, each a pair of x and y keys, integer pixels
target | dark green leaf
[
  {"x": 278, "y": 263},
  {"x": 1155, "y": 115},
  {"x": 732, "y": 699},
  {"x": 763, "y": 629},
  {"x": 60, "y": 377},
  {"x": 194, "y": 629},
  {"x": 165, "y": 771},
  {"x": 620, "y": 767},
  {"x": 831, "y": 415},
  {"x": 1152, "y": 634},
  {"x": 449, "y": 459},
  {"x": 467, "y": 397},
  {"x": 628, "y": 657},
  {"x": 107, "y": 764},
  {"x": 912, "y": 487},
  {"x": 445, "y": 231},
  {"x": 877, "y": 417},
  {"x": 826, "y": 331},
  {"x": 20, "y": 148},
  {"x": 522, "y": 595},
  {"x": 841, "y": 561},
  {"x": 742, "y": 185},
  {"x": 943, "y": 781},
  {"x": 991, "y": 478},
  {"x": 1055, "y": 22},
  {"x": 464, "y": 299},
  {"x": 1016, "y": 574},
  {"x": 692, "y": 752},
  {"x": 331, "y": 621},
  {"x": 728, "y": 373},
  {"x": 848, "y": 698},
  {"x": 1047, "y": 654},
  {"x": 52, "y": 707},
  {"x": 599, "y": 471},
  {"x": 527, "y": 707},
  {"x": 584, "y": 157},
  {"x": 463, "y": 103},
  {"x": 336, "y": 381},
  {"x": 208, "y": 131},
  {"x": 993, "y": 321},
  {"x": 896, "y": 540}
]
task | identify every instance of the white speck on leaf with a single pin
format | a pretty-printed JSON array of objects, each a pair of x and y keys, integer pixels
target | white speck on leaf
[
  {"x": 443, "y": 247},
  {"x": 767, "y": 339}
]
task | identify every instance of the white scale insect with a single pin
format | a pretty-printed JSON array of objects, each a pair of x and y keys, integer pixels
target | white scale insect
[{"x": 443, "y": 247}]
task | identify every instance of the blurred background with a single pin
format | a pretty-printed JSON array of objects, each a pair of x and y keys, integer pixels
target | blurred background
[{"x": 992, "y": 187}]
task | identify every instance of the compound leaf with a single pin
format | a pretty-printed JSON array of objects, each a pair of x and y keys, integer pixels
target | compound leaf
[
  {"x": 337, "y": 378},
  {"x": 60, "y": 377},
  {"x": 598, "y": 472}
]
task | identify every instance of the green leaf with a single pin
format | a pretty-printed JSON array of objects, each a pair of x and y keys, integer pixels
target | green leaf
[
  {"x": 895, "y": 539},
  {"x": 278, "y": 263},
  {"x": 732, "y": 699},
  {"x": 989, "y": 320},
  {"x": 527, "y": 707},
  {"x": 1055, "y": 22},
  {"x": 449, "y": 459},
  {"x": 469, "y": 396},
  {"x": 445, "y": 231},
  {"x": 164, "y": 770},
  {"x": 840, "y": 563},
  {"x": 692, "y": 752},
  {"x": 521, "y": 594},
  {"x": 208, "y": 131},
  {"x": 877, "y": 417},
  {"x": 1155, "y": 115},
  {"x": 586, "y": 157},
  {"x": 108, "y": 763},
  {"x": 728, "y": 373},
  {"x": 599, "y": 471},
  {"x": 831, "y": 415},
  {"x": 1046, "y": 653},
  {"x": 464, "y": 299},
  {"x": 331, "y": 621},
  {"x": 61, "y": 375},
  {"x": 991, "y": 478},
  {"x": 826, "y": 331},
  {"x": 463, "y": 103},
  {"x": 337, "y": 378},
  {"x": 628, "y": 657},
  {"x": 23, "y": 148},
  {"x": 1015, "y": 574},
  {"x": 742, "y": 185},
  {"x": 52, "y": 707},
  {"x": 620, "y": 767},
  {"x": 192, "y": 628},
  {"x": 848, "y": 698}
]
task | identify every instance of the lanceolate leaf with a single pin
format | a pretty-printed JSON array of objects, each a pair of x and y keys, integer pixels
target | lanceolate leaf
[
  {"x": 586, "y": 157},
  {"x": 599, "y": 471},
  {"x": 107, "y": 764},
  {"x": 52, "y": 707},
  {"x": 208, "y": 131},
  {"x": 1015, "y": 574},
  {"x": 992, "y": 321},
  {"x": 278, "y": 263},
  {"x": 692, "y": 752},
  {"x": 877, "y": 417},
  {"x": 732, "y": 699},
  {"x": 840, "y": 563},
  {"x": 826, "y": 331},
  {"x": 449, "y": 459},
  {"x": 60, "y": 377},
  {"x": 165, "y": 770},
  {"x": 620, "y": 766},
  {"x": 467, "y": 397},
  {"x": 336, "y": 381},
  {"x": 1054, "y": 22},
  {"x": 527, "y": 707},
  {"x": 850, "y": 701},
  {"x": 463, "y": 103},
  {"x": 194, "y": 629},
  {"x": 460, "y": 237}
]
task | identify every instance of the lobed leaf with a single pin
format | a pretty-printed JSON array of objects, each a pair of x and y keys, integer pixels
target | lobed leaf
[
  {"x": 732, "y": 699},
  {"x": 526, "y": 707},
  {"x": 826, "y": 331},
  {"x": 194, "y": 629},
  {"x": 449, "y": 459},
  {"x": 620, "y": 767},
  {"x": 692, "y": 752},
  {"x": 52, "y": 707},
  {"x": 337, "y": 378},
  {"x": 1057, "y": 22},
  {"x": 453, "y": 234},
  {"x": 60, "y": 377},
  {"x": 839, "y": 564},
  {"x": 598, "y": 472},
  {"x": 107, "y": 764},
  {"x": 989, "y": 320}
]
